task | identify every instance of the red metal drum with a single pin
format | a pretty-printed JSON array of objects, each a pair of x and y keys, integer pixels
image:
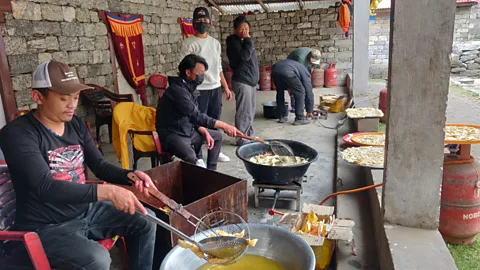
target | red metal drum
[
  {"x": 460, "y": 203},
  {"x": 382, "y": 104},
  {"x": 318, "y": 77},
  {"x": 331, "y": 75},
  {"x": 266, "y": 79},
  {"x": 228, "y": 77}
]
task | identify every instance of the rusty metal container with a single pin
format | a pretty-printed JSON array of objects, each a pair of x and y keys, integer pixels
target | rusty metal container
[
  {"x": 318, "y": 77},
  {"x": 382, "y": 104},
  {"x": 460, "y": 203},
  {"x": 199, "y": 190},
  {"x": 266, "y": 78},
  {"x": 228, "y": 77},
  {"x": 331, "y": 75}
]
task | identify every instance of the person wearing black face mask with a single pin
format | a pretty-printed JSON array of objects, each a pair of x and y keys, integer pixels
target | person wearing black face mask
[
  {"x": 182, "y": 128},
  {"x": 204, "y": 45}
]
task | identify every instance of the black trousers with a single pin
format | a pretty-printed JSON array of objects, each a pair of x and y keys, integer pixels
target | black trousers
[
  {"x": 210, "y": 103},
  {"x": 72, "y": 245},
  {"x": 282, "y": 83},
  {"x": 186, "y": 148}
]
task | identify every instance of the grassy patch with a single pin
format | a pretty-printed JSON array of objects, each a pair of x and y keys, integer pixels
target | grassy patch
[
  {"x": 466, "y": 257},
  {"x": 376, "y": 80},
  {"x": 382, "y": 127},
  {"x": 460, "y": 91}
]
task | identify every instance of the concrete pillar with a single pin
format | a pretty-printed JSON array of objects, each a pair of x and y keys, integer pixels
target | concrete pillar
[
  {"x": 421, "y": 36},
  {"x": 361, "y": 11}
]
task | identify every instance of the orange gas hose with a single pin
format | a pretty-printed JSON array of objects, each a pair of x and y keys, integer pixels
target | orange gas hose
[
  {"x": 349, "y": 192},
  {"x": 275, "y": 212}
]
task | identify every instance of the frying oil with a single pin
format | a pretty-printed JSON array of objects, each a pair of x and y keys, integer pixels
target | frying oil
[{"x": 248, "y": 261}]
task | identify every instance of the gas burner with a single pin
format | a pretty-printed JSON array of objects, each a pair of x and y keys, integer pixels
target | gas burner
[{"x": 296, "y": 186}]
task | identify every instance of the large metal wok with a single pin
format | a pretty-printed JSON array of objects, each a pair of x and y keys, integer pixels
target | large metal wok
[
  {"x": 275, "y": 243},
  {"x": 276, "y": 175}
]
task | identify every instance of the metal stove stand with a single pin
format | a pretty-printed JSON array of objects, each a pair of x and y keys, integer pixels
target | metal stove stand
[{"x": 295, "y": 186}]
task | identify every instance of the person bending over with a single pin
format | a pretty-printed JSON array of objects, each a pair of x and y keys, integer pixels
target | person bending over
[
  {"x": 290, "y": 74},
  {"x": 182, "y": 128}
]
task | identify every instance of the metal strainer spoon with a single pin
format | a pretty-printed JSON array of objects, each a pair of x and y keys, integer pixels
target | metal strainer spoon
[
  {"x": 278, "y": 148},
  {"x": 227, "y": 248}
]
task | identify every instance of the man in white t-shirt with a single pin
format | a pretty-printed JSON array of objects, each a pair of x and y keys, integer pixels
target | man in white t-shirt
[{"x": 210, "y": 99}]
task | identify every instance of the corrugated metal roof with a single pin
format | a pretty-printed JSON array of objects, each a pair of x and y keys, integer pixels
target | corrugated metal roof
[
  {"x": 468, "y": 1},
  {"x": 240, "y": 6},
  {"x": 386, "y": 4},
  {"x": 238, "y": 9}
]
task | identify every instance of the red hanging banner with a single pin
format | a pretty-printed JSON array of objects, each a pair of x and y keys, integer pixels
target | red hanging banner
[
  {"x": 187, "y": 27},
  {"x": 127, "y": 40}
]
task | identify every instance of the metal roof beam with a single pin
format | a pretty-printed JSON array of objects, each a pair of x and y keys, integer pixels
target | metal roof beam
[
  {"x": 263, "y": 5},
  {"x": 216, "y": 6}
]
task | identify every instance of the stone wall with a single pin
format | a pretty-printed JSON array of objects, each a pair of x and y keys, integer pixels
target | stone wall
[
  {"x": 467, "y": 28},
  {"x": 277, "y": 34},
  {"x": 466, "y": 59},
  {"x": 379, "y": 31},
  {"x": 70, "y": 31},
  {"x": 467, "y": 23}
]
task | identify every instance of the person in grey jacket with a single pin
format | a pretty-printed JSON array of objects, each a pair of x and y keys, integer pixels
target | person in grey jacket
[
  {"x": 244, "y": 63},
  {"x": 290, "y": 74}
]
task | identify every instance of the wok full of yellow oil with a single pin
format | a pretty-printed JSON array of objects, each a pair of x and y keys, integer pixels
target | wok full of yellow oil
[{"x": 248, "y": 261}]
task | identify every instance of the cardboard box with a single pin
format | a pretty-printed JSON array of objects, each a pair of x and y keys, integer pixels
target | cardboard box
[
  {"x": 367, "y": 124},
  {"x": 323, "y": 247},
  {"x": 341, "y": 230}
]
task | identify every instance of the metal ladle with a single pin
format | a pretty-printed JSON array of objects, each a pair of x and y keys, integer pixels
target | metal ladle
[{"x": 229, "y": 248}]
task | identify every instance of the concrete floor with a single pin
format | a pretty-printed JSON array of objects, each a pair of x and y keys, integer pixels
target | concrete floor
[{"x": 318, "y": 182}]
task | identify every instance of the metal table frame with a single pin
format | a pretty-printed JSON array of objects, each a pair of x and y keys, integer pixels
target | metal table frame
[{"x": 292, "y": 187}]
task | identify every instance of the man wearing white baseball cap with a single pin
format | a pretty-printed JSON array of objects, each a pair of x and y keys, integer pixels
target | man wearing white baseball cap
[
  {"x": 308, "y": 57},
  {"x": 45, "y": 151}
]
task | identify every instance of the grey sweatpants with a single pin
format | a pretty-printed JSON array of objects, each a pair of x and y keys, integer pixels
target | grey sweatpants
[{"x": 245, "y": 101}]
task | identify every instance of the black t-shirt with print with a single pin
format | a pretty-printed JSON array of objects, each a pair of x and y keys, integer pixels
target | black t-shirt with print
[{"x": 47, "y": 170}]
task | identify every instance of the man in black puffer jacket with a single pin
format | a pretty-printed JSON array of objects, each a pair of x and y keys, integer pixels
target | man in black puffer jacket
[{"x": 182, "y": 128}]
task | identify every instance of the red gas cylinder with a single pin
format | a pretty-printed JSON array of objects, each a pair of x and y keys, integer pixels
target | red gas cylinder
[
  {"x": 460, "y": 204},
  {"x": 266, "y": 79},
  {"x": 273, "y": 85},
  {"x": 318, "y": 77},
  {"x": 331, "y": 75},
  {"x": 382, "y": 104},
  {"x": 228, "y": 77}
]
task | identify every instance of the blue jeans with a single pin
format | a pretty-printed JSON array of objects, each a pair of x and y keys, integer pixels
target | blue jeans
[{"x": 72, "y": 244}]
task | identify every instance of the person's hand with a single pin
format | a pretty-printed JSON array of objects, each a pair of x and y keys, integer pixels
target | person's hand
[
  {"x": 228, "y": 93},
  {"x": 121, "y": 198},
  {"x": 246, "y": 34},
  {"x": 310, "y": 115},
  {"x": 209, "y": 140},
  {"x": 142, "y": 182},
  {"x": 230, "y": 130}
]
